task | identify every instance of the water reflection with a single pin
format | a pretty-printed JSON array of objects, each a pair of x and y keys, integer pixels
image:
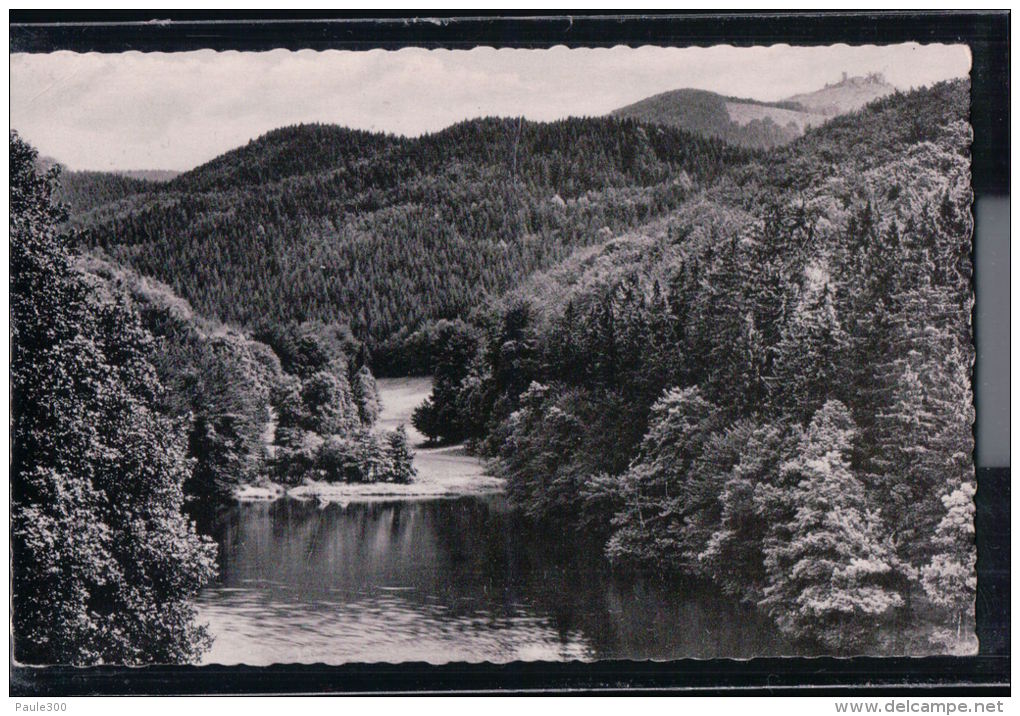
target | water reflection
[{"x": 443, "y": 580}]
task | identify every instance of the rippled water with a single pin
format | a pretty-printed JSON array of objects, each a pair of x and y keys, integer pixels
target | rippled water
[{"x": 444, "y": 580}]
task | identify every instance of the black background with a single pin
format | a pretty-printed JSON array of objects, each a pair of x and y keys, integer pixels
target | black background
[{"x": 986, "y": 33}]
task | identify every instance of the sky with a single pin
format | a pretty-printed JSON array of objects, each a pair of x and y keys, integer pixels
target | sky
[{"x": 177, "y": 110}]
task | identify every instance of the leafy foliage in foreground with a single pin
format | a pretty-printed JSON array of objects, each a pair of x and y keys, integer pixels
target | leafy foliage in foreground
[
  {"x": 770, "y": 389},
  {"x": 125, "y": 405},
  {"x": 104, "y": 562}
]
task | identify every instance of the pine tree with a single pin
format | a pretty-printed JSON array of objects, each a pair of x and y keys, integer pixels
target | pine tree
[
  {"x": 950, "y": 579},
  {"x": 425, "y": 420},
  {"x": 723, "y": 335},
  {"x": 751, "y": 492},
  {"x": 809, "y": 357},
  {"x": 655, "y": 490},
  {"x": 366, "y": 396},
  {"x": 921, "y": 440},
  {"x": 831, "y": 572},
  {"x": 400, "y": 456}
]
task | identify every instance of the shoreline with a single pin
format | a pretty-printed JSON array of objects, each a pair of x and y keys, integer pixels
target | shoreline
[
  {"x": 447, "y": 471},
  {"x": 346, "y": 492}
]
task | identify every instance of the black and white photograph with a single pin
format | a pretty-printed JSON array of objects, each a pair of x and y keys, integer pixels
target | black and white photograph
[{"x": 491, "y": 355}]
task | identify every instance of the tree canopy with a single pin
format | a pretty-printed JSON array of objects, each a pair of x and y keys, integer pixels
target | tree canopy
[{"x": 105, "y": 563}]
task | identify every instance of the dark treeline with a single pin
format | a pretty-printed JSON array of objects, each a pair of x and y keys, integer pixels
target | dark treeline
[
  {"x": 771, "y": 389},
  {"x": 81, "y": 192},
  {"x": 385, "y": 234}
]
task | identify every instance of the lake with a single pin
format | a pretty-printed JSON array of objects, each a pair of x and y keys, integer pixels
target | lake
[
  {"x": 364, "y": 578},
  {"x": 444, "y": 580}
]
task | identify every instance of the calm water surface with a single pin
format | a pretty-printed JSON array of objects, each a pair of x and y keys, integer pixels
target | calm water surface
[{"x": 444, "y": 580}]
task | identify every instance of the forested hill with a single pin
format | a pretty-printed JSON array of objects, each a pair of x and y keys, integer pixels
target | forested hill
[
  {"x": 325, "y": 223},
  {"x": 851, "y": 148},
  {"x": 289, "y": 152},
  {"x": 769, "y": 388},
  {"x": 847, "y": 95},
  {"x": 752, "y": 123},
  {"x": 738, "y": 121}
]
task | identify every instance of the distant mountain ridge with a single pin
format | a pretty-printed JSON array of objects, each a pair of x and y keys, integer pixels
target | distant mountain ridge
[
  {"x": 83, "y": 190},
  {"x": 847, "y": 95},
  {"x": 153, "y": 175},
  {"x": 754, "y": 123}
]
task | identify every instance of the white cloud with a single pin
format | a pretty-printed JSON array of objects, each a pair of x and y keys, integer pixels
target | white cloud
[{"x": 174, "y": 111}]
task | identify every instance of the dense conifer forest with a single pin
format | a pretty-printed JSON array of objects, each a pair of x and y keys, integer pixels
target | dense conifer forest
[
  {"x": 770, "y": 387},
  {"x": 739, "y": 366},
  {"x": 80, "y": 192},
  {"x": 322, "y": 223}
]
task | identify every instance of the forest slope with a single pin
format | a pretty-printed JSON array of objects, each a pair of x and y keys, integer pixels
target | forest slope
[
  {"x": 770, "y": 388},
  {"x": 82, "y": 191},
  {"x": 325, "y": 223}
]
